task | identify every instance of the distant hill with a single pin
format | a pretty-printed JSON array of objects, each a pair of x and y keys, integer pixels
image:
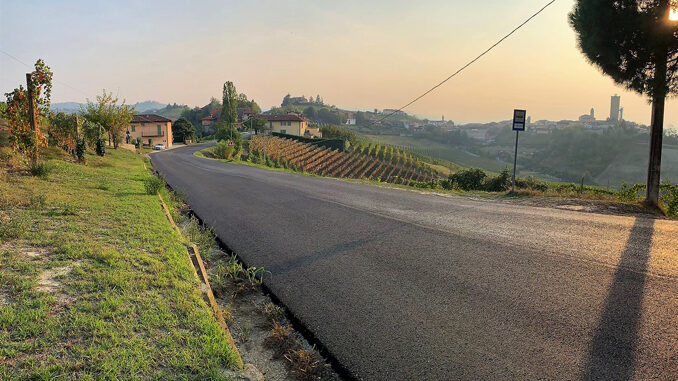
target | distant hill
[
  {"x": 170, "y": 111},
  {"x": 145, "y": 107},
  {"x": 67, "y": 107},
  {"x": 148, "y": 106}
]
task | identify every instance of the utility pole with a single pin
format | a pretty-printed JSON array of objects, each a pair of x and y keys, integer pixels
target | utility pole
[{"x": 31, "y": 112}]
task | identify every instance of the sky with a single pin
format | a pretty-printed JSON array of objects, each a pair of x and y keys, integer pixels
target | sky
[{"x": 355, "y": 54}]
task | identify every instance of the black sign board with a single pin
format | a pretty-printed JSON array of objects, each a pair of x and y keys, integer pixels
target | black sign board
[{"x": 519, "y": 120}]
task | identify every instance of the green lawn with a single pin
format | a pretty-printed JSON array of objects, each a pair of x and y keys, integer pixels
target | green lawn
[{"x": 95, "y": 283}]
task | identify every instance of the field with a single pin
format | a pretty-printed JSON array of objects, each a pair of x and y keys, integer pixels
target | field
[
  {"x": 440, "y": 151},
  {"x": 631, "y": 166},
  {"x": 369, "y": 162},
  {"x": 95, "y": 283}
]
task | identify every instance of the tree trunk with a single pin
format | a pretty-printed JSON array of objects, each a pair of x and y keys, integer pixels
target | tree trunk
[
  {"x": 31, "y": 112},
  {"x": 656, "y": 131}
]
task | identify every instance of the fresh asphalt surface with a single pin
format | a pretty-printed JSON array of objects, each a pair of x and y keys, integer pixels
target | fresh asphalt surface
[{"x": 403, "y": 285}]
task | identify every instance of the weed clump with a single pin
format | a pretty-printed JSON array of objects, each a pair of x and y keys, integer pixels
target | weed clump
[
  {"x": 245, "y": 278},
  {"x": 41, "y": 170},
  {"x": 153, "y": 185},
  {"x": 281, "y": 339},
  {"x": 304, "y": 364},
  {"x": 272, "y": 312},
  {"x": 37, "y": 201},
  {"x": 200, "y": 236},
  {"x": 12, "y": 226}
]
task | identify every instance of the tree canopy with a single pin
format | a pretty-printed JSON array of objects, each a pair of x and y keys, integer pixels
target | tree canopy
[
  {"x": 635, "y": 43},
  {"x": 113, "y": 117},
  {"x": 18, "y": 113},
  {"x": 182, "y": 129},
  {"x": 622, "y": 38},
  {"x": 229, "y": 104},
  {"x": 244, "y": 102}
]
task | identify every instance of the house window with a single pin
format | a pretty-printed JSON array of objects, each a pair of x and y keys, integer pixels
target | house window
[
  {"x": 283, "y": 131},
  {"x": 159, "y": 130},
  {"x": 134, "y": 129}
]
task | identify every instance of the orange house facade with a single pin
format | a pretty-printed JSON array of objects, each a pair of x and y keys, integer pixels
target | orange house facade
[{"x": 151, "y": 129}]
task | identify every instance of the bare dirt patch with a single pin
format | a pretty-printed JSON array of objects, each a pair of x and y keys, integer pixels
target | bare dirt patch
[
  {"x": 48, "y": 280},
  {"x": 250, "y": 315},
  {"x": 4, "y": 300}
]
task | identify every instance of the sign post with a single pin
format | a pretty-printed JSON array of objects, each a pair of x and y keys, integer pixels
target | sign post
[{"x": 519, "y": 117}]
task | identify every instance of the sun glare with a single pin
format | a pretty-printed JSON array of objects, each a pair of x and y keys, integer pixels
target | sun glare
[{"x": 673, "y": 14}]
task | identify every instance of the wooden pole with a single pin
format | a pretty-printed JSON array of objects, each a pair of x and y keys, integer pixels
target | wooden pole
[{"x": 31, "y": 112}]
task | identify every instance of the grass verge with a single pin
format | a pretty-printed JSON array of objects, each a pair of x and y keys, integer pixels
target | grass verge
[
  {"x": 595, "y": 198},
  {"x": 95, "y": 283}
]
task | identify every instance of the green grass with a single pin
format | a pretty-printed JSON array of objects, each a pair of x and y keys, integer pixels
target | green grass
[
  {"x": 439, "y": 150},
  {"x": 129, "y": 308}
]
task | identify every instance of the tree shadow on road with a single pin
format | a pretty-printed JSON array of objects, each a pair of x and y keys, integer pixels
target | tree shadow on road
[
  {"x": 612, "y": 351},
  {"x": 296, "y": 263}
]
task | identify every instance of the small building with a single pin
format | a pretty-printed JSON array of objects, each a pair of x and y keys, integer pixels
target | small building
[
  {"x": 391, "y": 111},
  {"x": 313, "y": 131},
  {"x": 208, "y": 122},
  {"x": 244, "y": 113},
  {"x": 151, "y": 129},
  {"x": 350, "y": 119},
  {"x": 291, "y": 124}
]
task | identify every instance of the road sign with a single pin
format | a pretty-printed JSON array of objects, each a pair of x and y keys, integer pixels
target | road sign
[
  {"x": 519, "y": 117},
  {"x": 519, "y": 121},
  {"x": 230, "y": 143}
]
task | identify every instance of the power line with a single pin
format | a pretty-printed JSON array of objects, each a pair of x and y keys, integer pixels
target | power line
[
  {"x": 467, "y": 65},
  {"x": 31, "y": 67}
]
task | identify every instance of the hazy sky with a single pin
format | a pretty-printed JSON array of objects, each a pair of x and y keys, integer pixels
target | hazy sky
[{"x": 356, "y": 54}]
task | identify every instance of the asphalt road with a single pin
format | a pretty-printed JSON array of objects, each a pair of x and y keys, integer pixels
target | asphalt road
[{"x": 402, "y": 285}]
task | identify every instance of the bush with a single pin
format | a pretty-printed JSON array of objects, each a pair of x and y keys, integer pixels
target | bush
[
  {"x": 101, "y": 147},
  {"x": 153, "y": 185},
  {"x": 255, "y": 157},
  {"x": 41, "y": 169},
  {"x": 499, "y": 183},
  {"x": 468, "y": 179},
  {"x": 629, "y": 193},
  {"x": 277, "y": 163},
  {"x": 80, "y": 149},
  {"x": 269, "y": 163},
  {"x": 669, "y": 196},
  {"x": 221, "y": 150},
  {"x": 531, "y": 183}
]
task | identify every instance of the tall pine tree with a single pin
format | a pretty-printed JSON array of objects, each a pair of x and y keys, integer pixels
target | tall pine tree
[{"x": 635, "y": 43}]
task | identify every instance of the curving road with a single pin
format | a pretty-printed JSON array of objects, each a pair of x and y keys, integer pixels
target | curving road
[{"x": 401, "y": 285}]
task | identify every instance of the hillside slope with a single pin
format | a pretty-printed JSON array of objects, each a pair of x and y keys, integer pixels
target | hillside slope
[{"x": 94, "y": 281}]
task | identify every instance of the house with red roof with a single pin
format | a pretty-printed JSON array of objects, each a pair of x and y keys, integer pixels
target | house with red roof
[
  {"x": 151, "y": 129},
  {"x": 291, "y": 124},
  {"x": 208, "y": 122}
]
